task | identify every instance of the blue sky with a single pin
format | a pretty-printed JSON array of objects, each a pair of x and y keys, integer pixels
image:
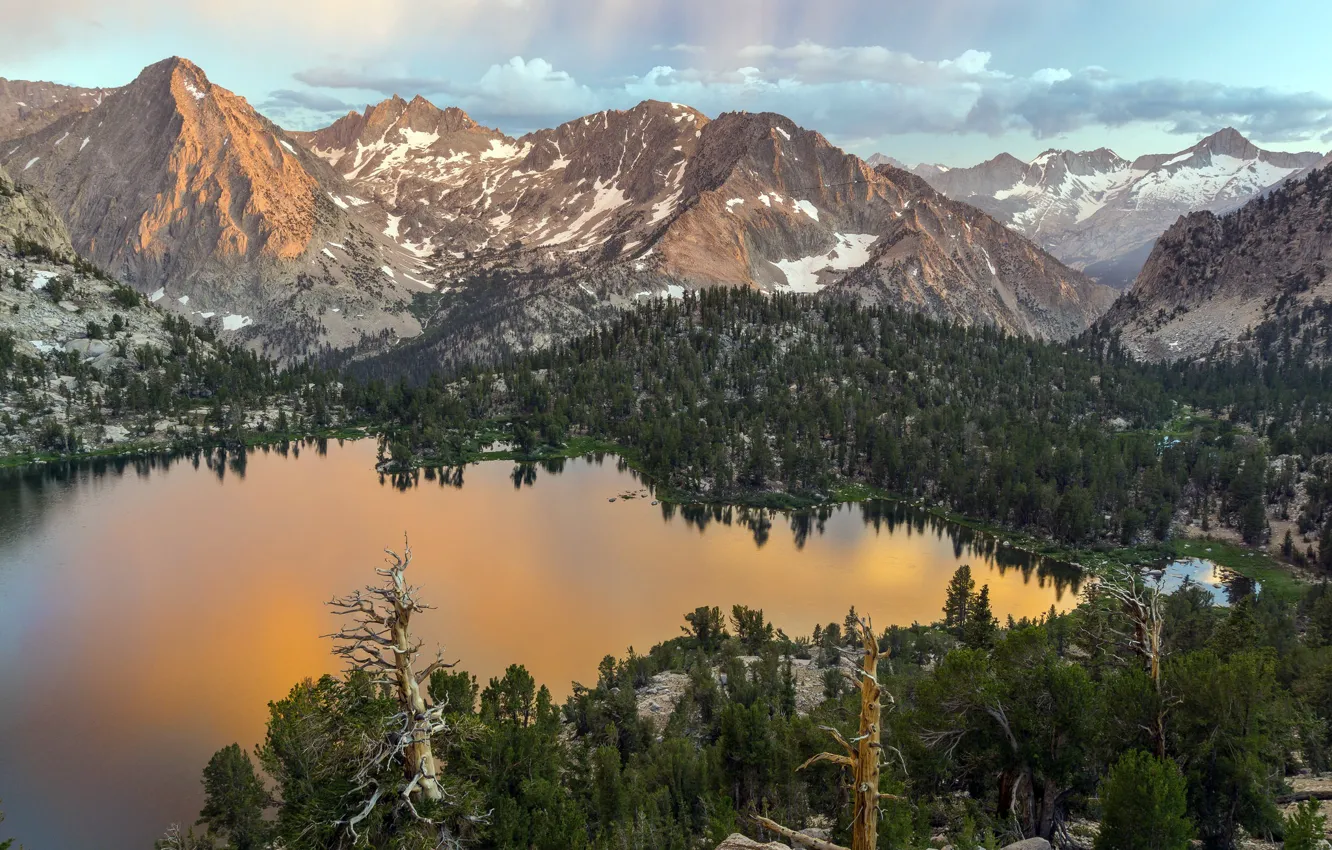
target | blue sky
[{"x": 952, "y": 81}]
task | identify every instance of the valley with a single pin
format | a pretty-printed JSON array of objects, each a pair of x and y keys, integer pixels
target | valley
[{"x": 609, "y": 371}]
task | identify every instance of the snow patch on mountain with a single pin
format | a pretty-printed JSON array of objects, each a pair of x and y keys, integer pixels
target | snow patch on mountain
[
  {"x": 1195, "y": 186},
  {"x": 802, "y": 275},
  {"x": 808, "y": 209}
]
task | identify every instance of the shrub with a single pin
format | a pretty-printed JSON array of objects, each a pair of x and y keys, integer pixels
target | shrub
[
  {"x": 1143, "y": 803},
  {"x": 1305, "y": 827}
]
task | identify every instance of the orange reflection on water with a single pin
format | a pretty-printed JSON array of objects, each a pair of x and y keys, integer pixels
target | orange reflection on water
[{"x": 151, "y": 618}]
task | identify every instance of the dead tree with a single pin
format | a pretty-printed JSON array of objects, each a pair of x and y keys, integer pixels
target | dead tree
[
  {"x": 378, "y": 642},
  {"x": 1142, "y": 607},
  {"x": 863, "y": 757}
]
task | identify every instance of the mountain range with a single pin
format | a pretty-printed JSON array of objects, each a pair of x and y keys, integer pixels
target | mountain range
[
  {"x": 403, "y": 213},
  {"x": 406, "y": 221},
  {"x": 1217, "y": 282},
  {"x": 26, "y": 107},
  {"x": 1100, "y": 212}
]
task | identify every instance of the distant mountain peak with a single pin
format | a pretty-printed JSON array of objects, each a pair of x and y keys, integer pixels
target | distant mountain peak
[
  {"x": 1210, "y": 279},
  {"x": 1228, "y": 142},
  {"x": 877, "y": 159},
  {"x": 1097, "y": 211}
]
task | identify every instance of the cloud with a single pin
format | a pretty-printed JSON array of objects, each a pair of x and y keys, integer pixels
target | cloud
[
  {"x": 342, "y": 78},
  {"x": 531, "y": 90},
  {"x": 680, "y": 48},
  {"x": 872, "y": 92},
  {"x": 292, "y": 99},
  {"x": 524, "y": 92},
  {"x": 1185, "y": 106}
]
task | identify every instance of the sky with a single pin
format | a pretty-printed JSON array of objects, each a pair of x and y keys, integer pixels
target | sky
[{"x": 948, "y": 81}]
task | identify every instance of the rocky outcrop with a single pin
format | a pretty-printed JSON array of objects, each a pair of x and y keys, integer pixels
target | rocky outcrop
[
  {"x": 1101, "y": 213},
  {"x": 1211, "y": 279},
  {"x": 27, "y": 219}
]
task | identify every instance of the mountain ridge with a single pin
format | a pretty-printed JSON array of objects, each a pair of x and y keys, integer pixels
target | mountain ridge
[
  {"x": 407, "y": 213},
  {"x": 1100, "y": 212},
  {"x": 1213, "y": 280},
  {"x": 655, "y": 199}
]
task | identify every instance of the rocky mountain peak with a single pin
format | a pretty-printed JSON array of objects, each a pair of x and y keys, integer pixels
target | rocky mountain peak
[
  {"x": 1228, "y": 142},
  {"x": 178, "y": 185},
  {"x": 877, "y": 159},
  {"x": 421, "y": 114}
]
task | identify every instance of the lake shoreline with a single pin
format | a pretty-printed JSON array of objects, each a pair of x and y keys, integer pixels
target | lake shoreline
[{"x": 1250, "y": 563}]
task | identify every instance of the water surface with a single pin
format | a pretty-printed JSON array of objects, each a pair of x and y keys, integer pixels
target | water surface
[{"x": 150, "y": 610}]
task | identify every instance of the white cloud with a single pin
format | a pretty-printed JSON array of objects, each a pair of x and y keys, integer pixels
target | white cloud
[
  {"x": 680, "y": 48},
  {"x": 873, "y": 92}
]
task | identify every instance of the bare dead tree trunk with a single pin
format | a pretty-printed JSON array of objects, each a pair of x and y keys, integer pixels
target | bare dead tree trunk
[
  {"x": 863, "y": 757},
  {"x": 865, "y": 823},
  {"x": 379, "y": 642},
  {"x": 1142, "y": 606}
]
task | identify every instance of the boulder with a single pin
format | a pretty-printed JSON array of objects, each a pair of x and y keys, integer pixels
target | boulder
[
  {"x": 89, "y": 347},
  {"x": 1029, "y": 844}
]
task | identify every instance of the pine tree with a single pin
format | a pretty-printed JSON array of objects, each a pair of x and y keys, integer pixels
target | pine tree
[
  {"x": 234, "y": 799},
  {"x": 1304, "y": 827},
  {"x": 957, "y": 604},
  {"x": 981, "y": 625}
]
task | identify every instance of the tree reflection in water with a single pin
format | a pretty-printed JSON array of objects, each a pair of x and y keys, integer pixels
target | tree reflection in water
[{"x": 21, "y": 492}]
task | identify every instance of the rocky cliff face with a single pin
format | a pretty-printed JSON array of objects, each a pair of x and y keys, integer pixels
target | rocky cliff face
[
  {"x": 788, "y": 211},
  {"x": 26, "y": 107},
  {"x": 28, "y": 220},
  {"x": 179, "y": 186},
  {"x": 951, "y": 261},
  {"x": 452, "y": 186},
  {"x": 1211, "y": 279},
  {"x": 1099, "y": 212}
]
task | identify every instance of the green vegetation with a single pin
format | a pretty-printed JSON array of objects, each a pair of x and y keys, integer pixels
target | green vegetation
[
  {"x": 1015, "y": 734},
  {"x": 8, "y": 842},
  {"x": 730, "y": 396},
  {"x": 1144, "y": 806},
  {"x": 213, "y": 394},
  {"x": 1306, "y": 827}
]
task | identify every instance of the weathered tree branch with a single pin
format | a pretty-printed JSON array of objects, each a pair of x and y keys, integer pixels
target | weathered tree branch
[
  {"x": 798, "y": 837},
  {"x": 844, "y": 761},
  {"x": 378, "y": 641}
]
